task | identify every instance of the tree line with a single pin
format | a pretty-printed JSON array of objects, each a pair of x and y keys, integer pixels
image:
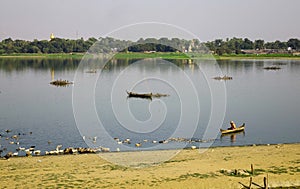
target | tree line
[{"x": 108, "y": 44}]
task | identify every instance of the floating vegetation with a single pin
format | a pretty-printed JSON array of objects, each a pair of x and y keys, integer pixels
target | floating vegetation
[
  {"x": 91, "y": 71},
  {"x": 61, "y": 82},
  {"x": 272, "y": 68},
  {"x": 146, "y": 95},
  {"x": 225, "y": 77}
]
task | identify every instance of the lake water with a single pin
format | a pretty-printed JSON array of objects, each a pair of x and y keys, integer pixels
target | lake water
[{"x": 95, "y": 110}]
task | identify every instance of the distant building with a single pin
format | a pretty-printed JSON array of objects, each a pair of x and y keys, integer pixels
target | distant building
[{"x": 51, "y": 36}]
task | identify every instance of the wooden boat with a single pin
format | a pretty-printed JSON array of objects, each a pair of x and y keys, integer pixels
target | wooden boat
[
  {"x": 139, "y": 95},
  {"x": 238, "y": 129}
]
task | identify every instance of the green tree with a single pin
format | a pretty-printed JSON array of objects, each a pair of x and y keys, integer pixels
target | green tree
[
  {"x": 259, "y": 44},
  {"x": 294, "y": 43}
]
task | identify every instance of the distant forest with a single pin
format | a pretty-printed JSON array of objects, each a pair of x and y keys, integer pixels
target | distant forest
[{"x": 108, "y": 44}]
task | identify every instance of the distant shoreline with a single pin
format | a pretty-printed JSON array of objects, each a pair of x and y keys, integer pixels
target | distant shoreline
[{"x": 164, "y": 55}]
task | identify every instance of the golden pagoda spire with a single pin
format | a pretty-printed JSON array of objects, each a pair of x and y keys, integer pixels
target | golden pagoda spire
[{"x": 52, "y": 36}]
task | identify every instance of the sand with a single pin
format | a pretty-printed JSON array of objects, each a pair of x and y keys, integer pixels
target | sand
[{"x": 187, "y": 169}]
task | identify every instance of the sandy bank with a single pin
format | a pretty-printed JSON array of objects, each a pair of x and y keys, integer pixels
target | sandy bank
[{"x": 187, "y": 169}]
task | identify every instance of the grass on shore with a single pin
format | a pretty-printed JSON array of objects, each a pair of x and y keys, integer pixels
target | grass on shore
[{"x": 163, "y": 55}]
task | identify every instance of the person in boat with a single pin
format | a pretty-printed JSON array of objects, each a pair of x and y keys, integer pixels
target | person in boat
[{"x": 232, "y": 125}]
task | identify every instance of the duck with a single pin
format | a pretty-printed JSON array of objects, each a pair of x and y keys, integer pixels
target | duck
[
  {"x": 138, "y": 144},
  {"x": 31, "y": 148},
  {"x": 7, "y": 130},
  {"x": 117, "y": 139},
  {"x": 163, "y": 141},
  {"x": 20, "y": 149},
  {"x": 15, "y": 137},
  {"x": 37, "y": 152}
]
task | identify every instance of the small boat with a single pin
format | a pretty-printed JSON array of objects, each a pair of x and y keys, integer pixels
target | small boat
[
  {"x": 238, "y": 129},
  {"x": 139, "y": 95}
]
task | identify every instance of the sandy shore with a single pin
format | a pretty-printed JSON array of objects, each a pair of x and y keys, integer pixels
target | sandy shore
[{"x": 187, "y": 169}]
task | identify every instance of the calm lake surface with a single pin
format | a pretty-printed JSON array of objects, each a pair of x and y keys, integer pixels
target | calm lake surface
[{"x": 45, "y": 116}]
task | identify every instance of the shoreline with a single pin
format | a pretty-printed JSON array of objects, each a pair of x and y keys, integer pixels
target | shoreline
[
  {"x": 166, "y": 55},
  {"x": 88, "y": 150},
  {"x": 201, "y": 168}
]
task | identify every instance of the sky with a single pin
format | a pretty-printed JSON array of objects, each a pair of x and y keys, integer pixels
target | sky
[{"x": 206, "y": 19}]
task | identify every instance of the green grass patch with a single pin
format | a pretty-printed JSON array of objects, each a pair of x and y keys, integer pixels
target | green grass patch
[
  {"x": 187, "y": 176},
  {"x": 295, "y": 169},
  {"x": 163, "y": 55},
  {"x": 173, "y": 161},
  {"x": 114, "y": 167},
  {"x": 296, "y": 161},
  {"x": 254, "y": 56},
  {"x": 242, "y": 173},
  {"x": 196, "y": 175},
  {"x": 277, "y": 170}
]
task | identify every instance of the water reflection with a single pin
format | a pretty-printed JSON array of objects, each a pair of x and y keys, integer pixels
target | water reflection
[
  {"x": 20, "y": 64},
  {"x": 232, "y": 136}
]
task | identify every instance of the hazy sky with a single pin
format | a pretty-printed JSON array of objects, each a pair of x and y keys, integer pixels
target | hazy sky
[{"x": 208, "y": 19}]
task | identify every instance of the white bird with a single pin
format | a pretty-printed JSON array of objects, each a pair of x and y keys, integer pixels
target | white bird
[
  {"x": 21, "y": 148},
  {"x": 15, "y": 154},
  {"x": 58, "y": 147},
  {"x": 94, "y": 139},
  {"x": 37, "y": 152},
  {"x": 104, "y": 149}
]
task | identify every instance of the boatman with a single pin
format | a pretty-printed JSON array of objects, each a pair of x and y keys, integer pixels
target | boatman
[{"x": 232, "y": 125}]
